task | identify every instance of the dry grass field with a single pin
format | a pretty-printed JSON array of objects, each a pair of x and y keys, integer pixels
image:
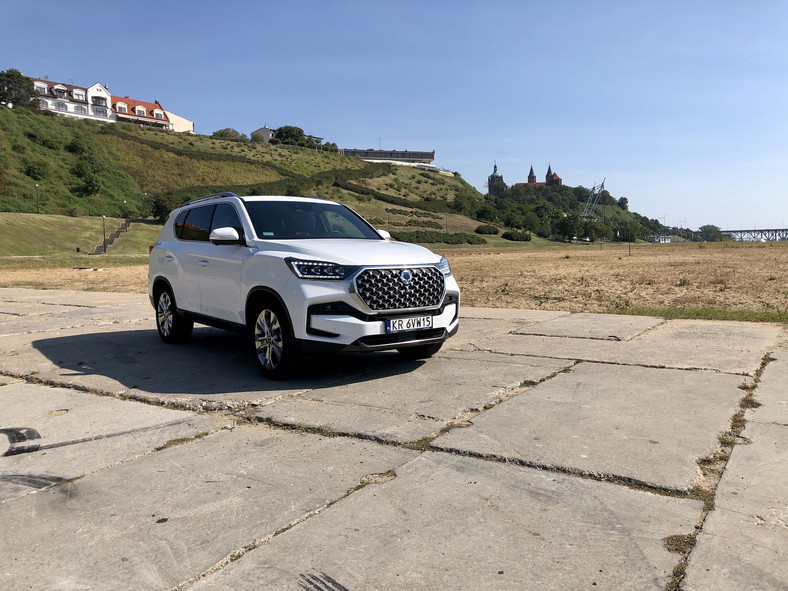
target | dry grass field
[
  {"x": 735, "y": 281},
  {"x": 742, "y": 281}
]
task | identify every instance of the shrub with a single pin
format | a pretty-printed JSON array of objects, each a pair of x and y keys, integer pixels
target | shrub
[
  {"x": 431, "y": 237},
  {"x": 517, "y": 236},
  {"x": 37, "y": 170},
  {"x": 425, "y": 224},
  {"x": 486, "y": 229}
]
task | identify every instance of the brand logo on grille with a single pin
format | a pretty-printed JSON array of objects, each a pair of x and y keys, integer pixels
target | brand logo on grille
[{"x": 406, "y": 277}]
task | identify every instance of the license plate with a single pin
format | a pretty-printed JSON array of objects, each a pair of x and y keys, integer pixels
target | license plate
[{"x": 407, "y": 324}]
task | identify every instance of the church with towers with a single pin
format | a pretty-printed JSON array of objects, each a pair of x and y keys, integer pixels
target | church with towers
[{"x": 495, "y": 182}]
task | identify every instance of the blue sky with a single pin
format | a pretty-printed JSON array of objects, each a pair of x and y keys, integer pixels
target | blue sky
[{"x": 681, "y": 106}]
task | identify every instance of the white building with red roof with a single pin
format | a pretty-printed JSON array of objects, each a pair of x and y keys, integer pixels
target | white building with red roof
[
  {"x": 129, "y": 110},
  {"x": 96, "y": 103},
  {"x": 74, "y": 101}
]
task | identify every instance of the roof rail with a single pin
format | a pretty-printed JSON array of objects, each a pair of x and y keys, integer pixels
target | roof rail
[{"x": 207, "y": 197}]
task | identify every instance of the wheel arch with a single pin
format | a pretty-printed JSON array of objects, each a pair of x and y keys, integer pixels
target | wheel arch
[
  {"x": 159, "y": 285},
  {"x": 258, "y": 296}
]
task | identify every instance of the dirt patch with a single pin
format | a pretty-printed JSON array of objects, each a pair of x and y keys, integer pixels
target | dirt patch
[{"x": 737, "y": 277}]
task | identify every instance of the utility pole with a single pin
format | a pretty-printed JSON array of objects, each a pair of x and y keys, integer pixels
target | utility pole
[
  {"x": 104, "y": 227},
  {"x": 38, "y": 207}
]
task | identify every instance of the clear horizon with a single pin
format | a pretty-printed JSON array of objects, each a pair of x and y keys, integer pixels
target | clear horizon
[{"x": 679, "y": 106}]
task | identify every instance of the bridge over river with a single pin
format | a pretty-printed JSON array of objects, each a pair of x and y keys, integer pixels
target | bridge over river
[{"x": 757, "y": 235}]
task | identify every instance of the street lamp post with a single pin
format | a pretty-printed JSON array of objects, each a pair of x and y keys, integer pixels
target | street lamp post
[
  {"x": 104, "y": 228},
  {"x": 38, "y": 208}
]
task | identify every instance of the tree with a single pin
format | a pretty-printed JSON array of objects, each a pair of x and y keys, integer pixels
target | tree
[
  {"x": 569, "y": 226},
  {"x": 17, "y": 89},
  {"x": 290, "y": 134},
  {"x": 487, "y": 213},
  {"x": 623, "y": 203},
  {"x": 711, "y": 233},
  {"x": 228, "y": 133}
]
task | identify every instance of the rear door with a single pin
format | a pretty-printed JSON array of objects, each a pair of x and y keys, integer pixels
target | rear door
[{"x": 192, "y": 232}]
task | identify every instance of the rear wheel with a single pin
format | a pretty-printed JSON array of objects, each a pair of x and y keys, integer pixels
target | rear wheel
[
  {"x": 170, "y": 323},
  {"x": 420, "y": 351},
  {"x": 275, "y": 349}
]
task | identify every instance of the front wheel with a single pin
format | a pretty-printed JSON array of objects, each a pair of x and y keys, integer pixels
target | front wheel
[
  {"x": 170, "y": 323},
  {"x": 420, "y": 351},
  {"x": 275, "y": 349}
]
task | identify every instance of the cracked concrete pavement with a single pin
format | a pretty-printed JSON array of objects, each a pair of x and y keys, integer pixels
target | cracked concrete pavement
[{"x": 537, "y": 450}]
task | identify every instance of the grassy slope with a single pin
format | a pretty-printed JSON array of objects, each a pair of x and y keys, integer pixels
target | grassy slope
[{"x": 87, "y": 169}]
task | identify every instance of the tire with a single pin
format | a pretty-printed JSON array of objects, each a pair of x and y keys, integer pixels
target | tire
[
  {"x": 275, "y": 349},
  {"x": 172, "y": 327},
  {"x": 420, "y": 351}
]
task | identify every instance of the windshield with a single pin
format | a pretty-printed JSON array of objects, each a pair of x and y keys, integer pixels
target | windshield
[{"x": 288, "y": 220}]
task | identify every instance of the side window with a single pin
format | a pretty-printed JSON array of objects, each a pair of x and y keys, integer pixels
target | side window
[
  {"x": 198, "y": 223},
  {"x": 179, "y": 223},
  {"x": 225, "y": 216}
]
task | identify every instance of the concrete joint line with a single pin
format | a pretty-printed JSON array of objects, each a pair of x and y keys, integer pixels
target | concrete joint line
[
  {"x": 631, "y": 483},
  {"x": 369, "y": 479},
  {"x": 235, "y": 555}
]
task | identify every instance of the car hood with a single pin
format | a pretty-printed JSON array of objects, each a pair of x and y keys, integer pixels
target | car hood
[{"x": 352, "y": 252}]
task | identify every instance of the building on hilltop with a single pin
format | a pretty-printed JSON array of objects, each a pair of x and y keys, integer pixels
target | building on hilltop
[
  {"x": 96, "y": 103},
  {"x": 74, "y": 101},
  {"x": 391, "y": 156},
  {"x": 495, "y": 184},
  {"x": 550, "y": 179},
  {"x": 265, "y": 132},
  {"x": 144, "y": 114},
  {"x": 422, "y": 160}
]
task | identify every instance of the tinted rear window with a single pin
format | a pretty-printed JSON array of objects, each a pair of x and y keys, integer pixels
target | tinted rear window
[{"x": 197, "y": 224}]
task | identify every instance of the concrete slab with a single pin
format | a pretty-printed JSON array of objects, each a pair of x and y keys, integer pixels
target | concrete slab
[
  {"x": 64, "y": 297},
  {"x": 28, "y": 311},
  {"x": 650, "y": 425},
  {"x": 448, "y": 522},
  {"x": 744, "y": 541},
  {"x": 350, "y": 419},
  {"x": 480, "y": 323},
  {"x": 772, "y": 393},
  {"x": 732, "y": 347},
  {"x": 155, "y": 522},
  {"x": 608, "y": 327},
  {"x": 412, "y": 404},
  {"x": 54, "y": 434}
]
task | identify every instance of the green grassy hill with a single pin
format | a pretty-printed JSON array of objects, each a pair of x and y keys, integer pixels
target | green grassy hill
[{"x": 56, "y": 165}]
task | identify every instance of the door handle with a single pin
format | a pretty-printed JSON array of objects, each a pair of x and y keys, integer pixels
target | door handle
[
  {"x": 169, "y": 258},
  {"x": 204, "y": 262}
]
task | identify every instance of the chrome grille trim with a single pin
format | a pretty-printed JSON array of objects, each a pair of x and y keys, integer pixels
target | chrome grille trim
[{"x": 383, "y": 289}]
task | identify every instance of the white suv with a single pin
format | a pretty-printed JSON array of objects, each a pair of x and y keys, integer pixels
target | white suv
[{"x": 299, "y": 275}]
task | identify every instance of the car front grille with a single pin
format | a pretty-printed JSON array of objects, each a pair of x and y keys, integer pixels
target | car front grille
[{"x": 400, "y": 289}]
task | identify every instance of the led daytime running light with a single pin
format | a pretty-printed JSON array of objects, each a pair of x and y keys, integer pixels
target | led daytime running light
[{"x": 319, "y": 269}]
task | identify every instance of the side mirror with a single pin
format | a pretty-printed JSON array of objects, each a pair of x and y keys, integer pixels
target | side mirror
[
  {"x": 383, "y": 234},
  {"x": 225, "y": 236}
]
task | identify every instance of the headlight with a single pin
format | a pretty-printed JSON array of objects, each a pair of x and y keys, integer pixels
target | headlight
[
  {"x": 319, "y": 269},
  {"x": 443, "y": 266}
]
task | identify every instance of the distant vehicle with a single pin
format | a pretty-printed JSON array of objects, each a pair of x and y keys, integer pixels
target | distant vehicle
[{"x": 298, "y": 276}]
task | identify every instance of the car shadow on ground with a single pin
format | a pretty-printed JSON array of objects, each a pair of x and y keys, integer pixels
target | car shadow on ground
[{"x": 213, "y": 362}]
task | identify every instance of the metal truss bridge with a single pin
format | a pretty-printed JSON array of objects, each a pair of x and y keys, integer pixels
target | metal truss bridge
[{"x": 757, "y": 235}]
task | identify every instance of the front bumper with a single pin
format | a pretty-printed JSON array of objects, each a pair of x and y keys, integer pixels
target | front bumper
[{"x": 350, "y": 330}]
